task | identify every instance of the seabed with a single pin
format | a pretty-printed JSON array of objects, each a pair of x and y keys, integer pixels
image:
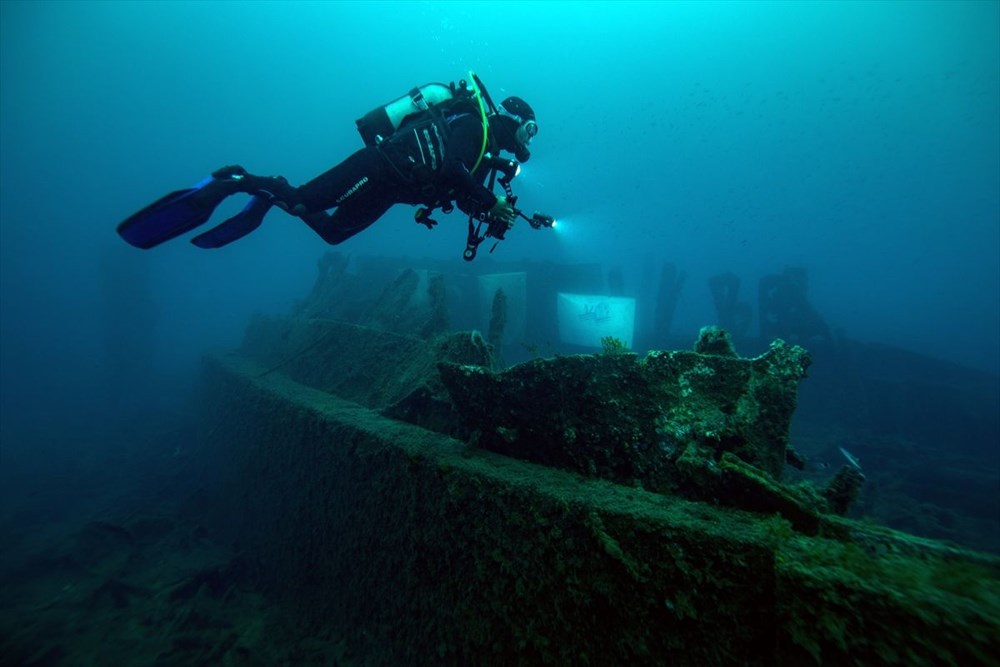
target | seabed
[{"x": 376, "y": 489}]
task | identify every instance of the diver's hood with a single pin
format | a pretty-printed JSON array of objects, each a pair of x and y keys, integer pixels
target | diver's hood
[{"x": 524, "y": 127}]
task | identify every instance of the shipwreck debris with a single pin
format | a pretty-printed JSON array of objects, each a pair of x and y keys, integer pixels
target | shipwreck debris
[{"x": 705, "y": 424}]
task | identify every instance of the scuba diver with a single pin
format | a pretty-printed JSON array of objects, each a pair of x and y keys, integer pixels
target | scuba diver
[{"x": 434, "y": 147}]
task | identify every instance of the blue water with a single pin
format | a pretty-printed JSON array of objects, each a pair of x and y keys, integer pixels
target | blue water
[{"x": 859, "y": 140}]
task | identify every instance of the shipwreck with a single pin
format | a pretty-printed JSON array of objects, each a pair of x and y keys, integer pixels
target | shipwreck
[{"x": 396, "y": 481}]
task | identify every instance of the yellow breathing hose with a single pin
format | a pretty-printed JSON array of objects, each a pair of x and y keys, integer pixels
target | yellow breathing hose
[{"x": 482, "y": 114}]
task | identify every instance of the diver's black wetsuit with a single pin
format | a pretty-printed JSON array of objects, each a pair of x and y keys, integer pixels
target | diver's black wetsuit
[{"x": 365, "y": 185}]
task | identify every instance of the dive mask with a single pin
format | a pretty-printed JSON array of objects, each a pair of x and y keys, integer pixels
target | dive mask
[{"x": 526, "y": 132}]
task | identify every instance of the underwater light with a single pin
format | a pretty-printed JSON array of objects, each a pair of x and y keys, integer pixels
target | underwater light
[
  {"x": 539, "y": 220},
  {"x": 564, "y": 228},
  {"x": 573, "y": 229}
]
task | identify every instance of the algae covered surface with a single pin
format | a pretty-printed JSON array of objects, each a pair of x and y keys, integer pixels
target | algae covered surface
[
  {"x": 630, "y": 419},
  {"x": 382, "y": 490},
  {"x": 579, "y": 509},
  {"x": 402, "y": 527},
  {"x": 424, "y": 550}
]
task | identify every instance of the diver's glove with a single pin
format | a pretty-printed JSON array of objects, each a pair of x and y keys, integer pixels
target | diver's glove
[
  {"x": 503, "y": 213},
  {"x": 423, "y": 217}
]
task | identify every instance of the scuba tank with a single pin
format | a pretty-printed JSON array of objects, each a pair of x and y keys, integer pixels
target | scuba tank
[
  {"x": 383, "y": 121},
  {"x": 411, "y": 132}
]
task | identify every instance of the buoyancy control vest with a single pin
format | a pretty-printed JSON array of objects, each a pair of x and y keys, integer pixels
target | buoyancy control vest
[
  {"x": 416, "y": 151},
  {"x": 417, "y": 121}
]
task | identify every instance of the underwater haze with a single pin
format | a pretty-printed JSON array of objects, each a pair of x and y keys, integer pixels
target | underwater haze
[{"x": 857, "y": 140}]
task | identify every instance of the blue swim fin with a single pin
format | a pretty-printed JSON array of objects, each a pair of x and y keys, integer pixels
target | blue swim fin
[
  {"x": 235, "y": 227},
  {"x": 182, "y": 210}
]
